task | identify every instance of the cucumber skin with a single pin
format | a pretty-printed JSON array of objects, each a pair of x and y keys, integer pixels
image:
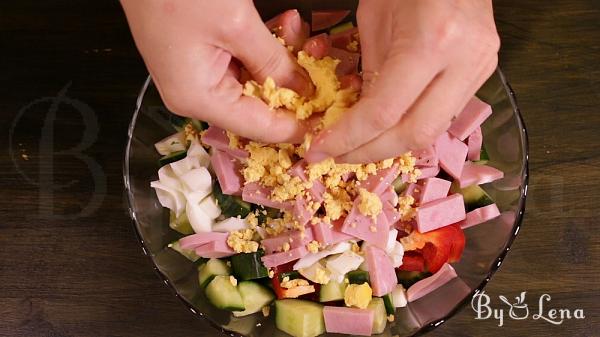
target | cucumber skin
[
  {"x": 291, "y": 317},
  {"x": 408, "y": 278},
  {"x": 218, "y": 268},
  {"x": 172, "y": 157},
  {"x": 389, "y": 304},
  {"x": 255, "y": 297},
  {"x": 358, "y": 277},
  {"x": 248, "y": 266},
  {"x": 231, "y": 206},
  {"x": 221, "y": 287}
]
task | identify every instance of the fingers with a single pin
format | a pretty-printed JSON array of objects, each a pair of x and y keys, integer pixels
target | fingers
[
  {"x": 430, "y": 116},
  {"x": 395, "y": 89},
  {"x": 264, "y": 56}
]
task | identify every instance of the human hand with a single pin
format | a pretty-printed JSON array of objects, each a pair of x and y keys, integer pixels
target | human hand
[
  {"x": 422, "y": 61},
  {"x": 189, "y": 48}
]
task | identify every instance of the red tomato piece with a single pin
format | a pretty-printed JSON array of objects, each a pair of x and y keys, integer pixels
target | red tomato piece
[{"x": 413, "y": 261}]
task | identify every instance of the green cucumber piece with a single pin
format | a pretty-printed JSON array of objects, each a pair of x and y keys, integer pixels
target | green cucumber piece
[
  {"x": 484, "y": 157},
  {"x": 474, "y": 196},
  {"x": 248, "y": 266},
  {"x": 408, "y": 278},
  {"x": 379, "y": 315},
  {"x": 341, "y": 28},
  {"x": 358, "y": 277},
  {"x": 389, "y": 304},
  {"x": 292, "y": 275},
  {"x": 267, "y": 212},
  {"x": 180, "y": 224},
  {"x": 198, "y": 124},
  {"x": 172, "y": 157},
  {"x": 212, "y": 268},
  {"x": 223, "y": 294},
  {"x": 399, "y": 185},
  {"x": 332, "y": 291},
  {"x": 231, "y": 205},
  {"x": 187, "y": 253},
  {"x": 255, "y": 297},
  {"x": 299, "y": 318}
]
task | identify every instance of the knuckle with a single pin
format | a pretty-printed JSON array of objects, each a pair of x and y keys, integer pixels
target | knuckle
[
  {"x": 444, "y": 34},
  {"x": 422, "y": 137},
  {"x": 268, "y": 66},
  {"x": 180, "y": 99}
]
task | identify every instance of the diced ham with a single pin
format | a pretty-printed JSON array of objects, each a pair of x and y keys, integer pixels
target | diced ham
[
  {"x": 329, "y": 235},
  {"x": 217, "y": 138},
  {"x": 196, "y": 240},
  {"x": 389, "y": 196},
  {"x": 294, "y": 238},
  {"x": 342, "y": 39},
  {"x": 426, "y": 157},
  {"x": 381, "y": 181},
  {"x": 363, "y": 227},
  {"x": 214, "y": 249},
  {"x": 452, "y": 154},
  {"x": 476, "y": 174},
  {"x": 413, "y": 190},
  {"x": 426, "y": 286},
  {"x": 227, "y": 170},
  {"x": 351, "y": 81},
  {"x": 317, "y": 190},
  {"x": 290, "y": 27},
  {"x": 472, "y": 116},
  {"x": 298, "y": 170},
  {"x": 475, "y": 143},
  {"x": 317, "y": 46},
  {"x": 301, "y": 211},
  {"x": 440, "y": 213},
  {"x": 391, "y": 214},
  {"x": 382, "y": 274},
  {"x": 433, "y": 189},
  {"x": 480, "y": 215},
  {"x": 351, "y": 321},
  {"x": 428, "y": 172},
  {"x": 323, "y": 19},
  {"x": 277, "y": 259},
  {"x": 257, "y": 194},
  {"x": 348, "y": 61}
]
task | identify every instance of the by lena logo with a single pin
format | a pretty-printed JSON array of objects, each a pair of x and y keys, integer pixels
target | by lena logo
[{"x": 519, "y": 309}]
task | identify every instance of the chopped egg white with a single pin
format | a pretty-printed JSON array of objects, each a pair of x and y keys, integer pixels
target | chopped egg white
[{"x": 311, "y": 258}]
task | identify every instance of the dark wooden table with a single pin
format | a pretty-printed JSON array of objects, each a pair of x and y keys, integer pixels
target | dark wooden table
[{"x": 70, "y": 264}]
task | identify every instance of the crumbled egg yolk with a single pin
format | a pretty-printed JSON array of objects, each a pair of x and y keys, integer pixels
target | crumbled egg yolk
[
  {"x": 313, "y": 246},
  {"x": 190, "y": 132},
  {"x": 352, "y": 46},
  {"x": 370, "y": 204},
  {"x": 289, "y": 284},
  {"x": 405, "y": 203},
  {"x": 252, "y": 220},
  {"x": 358, "y": 295},
  {"x": 322, "y": 276},
  {"x": 241, "y": 241}
]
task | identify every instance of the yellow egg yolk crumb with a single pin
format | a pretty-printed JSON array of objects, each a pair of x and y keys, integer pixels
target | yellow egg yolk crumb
[
  {"x": 358, "y": 295},
  {"x": 241, "y": 241},
  {"x": 370, "y": 204},
  {"x": 405, "y": 203},
  {"x": 313, "y": 246}
]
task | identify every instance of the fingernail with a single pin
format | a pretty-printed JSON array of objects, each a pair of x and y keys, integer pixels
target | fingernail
[
  {"x": 296, "y": 23},
  {"x": 315, "y": 157}
]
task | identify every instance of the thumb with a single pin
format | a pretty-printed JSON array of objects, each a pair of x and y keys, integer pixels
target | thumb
[{"x": 264, "y": 56}]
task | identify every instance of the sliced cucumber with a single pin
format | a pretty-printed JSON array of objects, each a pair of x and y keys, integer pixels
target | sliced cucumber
[
  {"x": 223, "y": 294},
  {"x": 187, "y": 253},
  {"x": 172, "y": 157},
  {"x": 399, "y": 185},
  {"x": 341, "y": 28},
  {"x": 248, "y": 266},
  {"x": 388, "y": 301},
  {"x": 484, "y": 157},
  {"x": 210, "y": 269},
  {"x": 255, "y": 297},
  {"x": 299, "y": 318},
  {"x": 408, "y": 278},
  {"x": 231, "y": 205},
  {"x": 379, "y": 315},
  {"x": 358, "y": 277},
  {"x": 180, "y": 224},
  {"x": 267, "y": 212},
  {"x": 474, "y": 196},
  {"x": 332, "y": 291}
]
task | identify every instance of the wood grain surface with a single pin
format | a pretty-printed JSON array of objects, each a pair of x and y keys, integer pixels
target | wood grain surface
[{"x": 70, "y": 264}]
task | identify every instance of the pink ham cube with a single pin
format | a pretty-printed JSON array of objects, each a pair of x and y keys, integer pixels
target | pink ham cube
[
  {"x": 217, "y": 138},
  {"x": 277, "y": 259},
  {"x": 298, "y": 170},
  {"x": 433, "y": 189},
  {"x": 381, "y": 271},
  {"x": 351, "y": 321},
  {"x": 472, "y": 116},
  {"x": 426, "y": 286},
  {"x": 381, "y": 181},
  {"x": 256, "y": 194},
  {"x": 317, "y": 190},
  {"x": 480, "y": 215},
  {"x": 214, "y": 249},
  {"x": 475, "y": 143},
  {"x": 413, "y": 190},
  {"x": 363, "y": 227},
  {"x": 196, "y": 240},
  {"x": 227, "y": 170},
  {"x": 301, "y": 211},
  {"x": 440, "y": 213},
  {"x": 427, "y": 172},
  {"x": 327, "y": 234},
  {"x": 476, "y": 174},
  {"x": 452, "y": 154},
  {"x": 295, "y": 239},
  {"x": 426, "y": 157}
]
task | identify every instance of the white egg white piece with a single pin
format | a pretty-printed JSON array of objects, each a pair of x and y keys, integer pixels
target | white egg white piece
[
  {"x": 169, "y": 197},
  {"x": 197, "y": 150},
  {"x": 199, "y": 220},
  {"x": 189, "y": 163},
  {"x": 173, "y": 143},
  {"x": 210, "y": 207},
  {"x": 230, "y": 225},
  {"x": 167, "y": 177},
  {"x": 311, "y": 273},
  {"x": 311, "y": 258},
  {"x": 399, "y": 296},
  {"x": 344, "y": 263},
  {"x": 197, "y": 181},
  {"x": 391, "y": 240},
  {"x": 397, "y": 254}
]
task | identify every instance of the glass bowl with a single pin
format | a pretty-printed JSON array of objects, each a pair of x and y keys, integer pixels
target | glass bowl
[{"x": 505, "y": 139}]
